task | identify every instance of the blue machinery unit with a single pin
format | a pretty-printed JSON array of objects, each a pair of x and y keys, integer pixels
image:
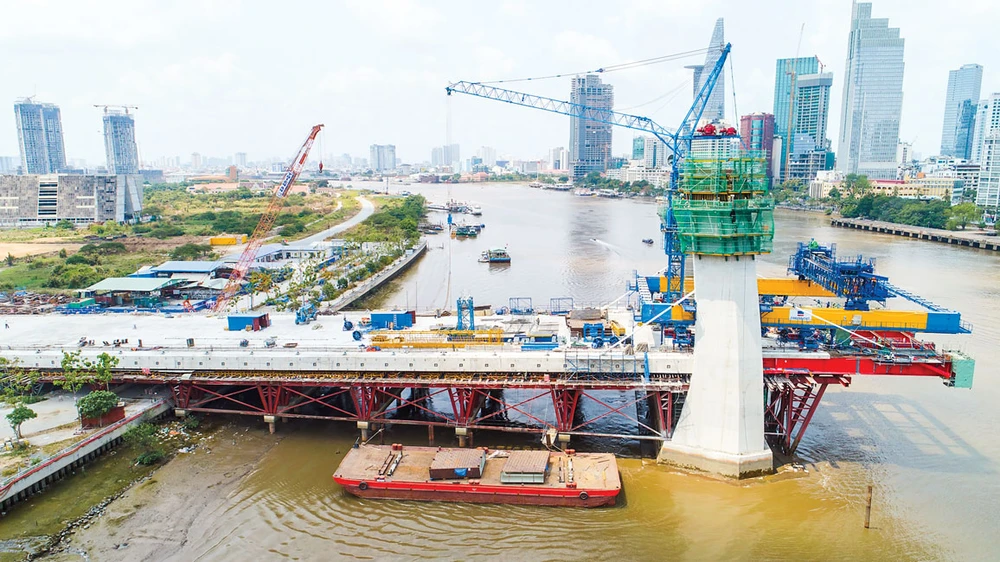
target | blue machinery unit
[
  {"x": 852, "y": 280},
  {"x": 305, "y": 313},
  {"x": 678, "y": 142}
]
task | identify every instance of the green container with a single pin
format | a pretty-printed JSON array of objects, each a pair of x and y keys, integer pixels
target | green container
[{"x": 962, "y": 368}]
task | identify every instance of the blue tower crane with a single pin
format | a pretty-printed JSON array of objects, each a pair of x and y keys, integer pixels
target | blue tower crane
[{"x": 677, "y": 141}]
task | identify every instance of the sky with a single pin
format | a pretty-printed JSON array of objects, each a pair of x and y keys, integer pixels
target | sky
[{"x": 223, "y": 76}]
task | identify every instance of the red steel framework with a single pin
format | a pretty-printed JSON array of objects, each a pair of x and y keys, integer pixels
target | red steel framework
[{"x": 794, "y": 387}]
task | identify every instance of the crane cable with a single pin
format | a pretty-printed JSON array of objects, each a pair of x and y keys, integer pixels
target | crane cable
[
  {"x": 607, "y": 69},
  {"x": 672, "y": 93}
]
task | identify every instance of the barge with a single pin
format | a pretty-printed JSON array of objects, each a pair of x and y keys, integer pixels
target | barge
[{"x": 568, "y": 479}]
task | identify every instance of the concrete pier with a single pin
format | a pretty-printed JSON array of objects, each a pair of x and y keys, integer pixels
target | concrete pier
[{"x": 721, "y": 429}]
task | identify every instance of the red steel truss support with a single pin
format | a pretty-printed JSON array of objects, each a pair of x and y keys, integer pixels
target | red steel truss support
[
  {"x": 565, "y": 401},
  {"x": 666, "y": 406},
  {"x": 370, "y": 401},
  {"x": 272, "y": 397},
  {"x": 465, "y": 404},
  {"x": 789, "y": 407}
]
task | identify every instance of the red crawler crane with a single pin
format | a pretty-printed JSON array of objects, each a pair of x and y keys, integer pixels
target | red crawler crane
[{"x": 265, "y": 224}]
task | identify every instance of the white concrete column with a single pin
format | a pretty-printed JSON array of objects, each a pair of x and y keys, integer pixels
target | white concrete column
[{"x": 721, "y": 428}]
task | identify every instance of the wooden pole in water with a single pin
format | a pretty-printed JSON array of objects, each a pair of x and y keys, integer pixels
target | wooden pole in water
[
  {"x": 430, "y": 435},
  {"x": 868, "y": 508}
]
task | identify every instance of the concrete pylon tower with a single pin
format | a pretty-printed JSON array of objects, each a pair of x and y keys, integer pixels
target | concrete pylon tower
[{"x": 725, "y": 219}]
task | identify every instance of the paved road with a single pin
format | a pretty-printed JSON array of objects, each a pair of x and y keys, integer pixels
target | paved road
[{"x": 366, "y": 211}]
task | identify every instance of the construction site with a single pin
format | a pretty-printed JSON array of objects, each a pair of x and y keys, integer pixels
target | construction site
[{"x": 721, "y": 369}]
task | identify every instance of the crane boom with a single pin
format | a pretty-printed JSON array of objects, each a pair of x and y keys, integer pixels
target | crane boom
[{"x": 266, "y": 223}]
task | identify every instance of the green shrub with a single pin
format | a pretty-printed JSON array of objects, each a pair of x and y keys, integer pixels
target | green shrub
[
  {"x": 78, "y": 259},
  {"x": 96, "y": 404},
  {"x": 150, "y": 457},
  {"x": 191, "y": 423}
]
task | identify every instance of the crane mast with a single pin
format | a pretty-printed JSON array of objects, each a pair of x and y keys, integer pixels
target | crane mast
[{"x": 266, "y": 223}]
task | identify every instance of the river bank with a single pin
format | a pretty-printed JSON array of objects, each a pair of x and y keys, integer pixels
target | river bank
[{"x": 156, "y": 519}]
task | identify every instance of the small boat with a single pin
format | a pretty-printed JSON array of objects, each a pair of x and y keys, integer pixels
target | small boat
[
  {"x": 476, "y": 210},
  {"x": 567, "y": 479},
  {"x": 647, "y": 241},
  {"x": 498, "y": 255},
  {"x": 466, "y": 230}
]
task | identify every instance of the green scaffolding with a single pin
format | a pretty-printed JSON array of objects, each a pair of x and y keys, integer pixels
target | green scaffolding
[
  {"x": 725, "y": 228},
  {"x": 724, "y": 209},
  {"x": 744, "y": 174}
]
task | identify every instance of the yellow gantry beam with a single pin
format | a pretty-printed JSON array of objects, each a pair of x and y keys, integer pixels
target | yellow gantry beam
[{"x": 770, "y": 286}]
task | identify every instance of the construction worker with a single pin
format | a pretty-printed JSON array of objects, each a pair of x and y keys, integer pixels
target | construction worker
[{"x": 813, "y": 244}]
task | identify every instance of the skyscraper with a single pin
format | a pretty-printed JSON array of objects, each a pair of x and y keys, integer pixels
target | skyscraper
[
  {"x": 382, "y": 157},
  {"x": 240, "y": 159},
  {"x": 988, "y": 190},
  {"x": 873, "y": 96},
  {"x": 757, "y": 134},
  {"x": 964, "y": 86},
  {"x": 987, "y": 121},
  {"x": 590, "y": 141},
  {"x": 39, "y": 137},
  {"x": 716, "y": 107},
  {"x": 810, "y": 149},
  {"x": 787, "y": 73},
  {"x": 119, "y": 142}
]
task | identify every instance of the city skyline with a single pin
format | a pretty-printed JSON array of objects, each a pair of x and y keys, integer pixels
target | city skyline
[{"x": 204, "y": 95}]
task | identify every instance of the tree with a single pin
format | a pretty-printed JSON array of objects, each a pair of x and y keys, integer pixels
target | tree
[
  {"x": 15, "y": 380},
  {"x": 19, "y": 415},
  {"x": 187, "y": 252},
  {"x": 563, "y": 179},
  {"x": 96, "y": 404},
  {"x": 10, "y": 259},
  {"x": 835, "y": 194},
  {"x": 856, "y": 186},
  {"x": 962, "y": 214},
  {"x": 78, "y": 372}
]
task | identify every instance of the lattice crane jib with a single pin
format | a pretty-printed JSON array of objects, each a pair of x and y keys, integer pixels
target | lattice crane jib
[{"x": 263, "y": 229}]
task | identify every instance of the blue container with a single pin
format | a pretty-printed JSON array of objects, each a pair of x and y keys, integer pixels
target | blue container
[{"x": 393, "y": 320}]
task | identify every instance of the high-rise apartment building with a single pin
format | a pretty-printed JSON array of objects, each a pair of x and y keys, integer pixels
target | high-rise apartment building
[
  {"x": 39, "y": 137},
  {"x": 447, "y": 155},
  {"x": 590, "y": 141},
  {"x": 988, "y": 190},
  {"x": 489, "y": 155},
  {"x": 382, "y": 157},
  {"x": 873, "y": 96},
  {"x": 196, "y": 162},
  {"x": 964, "y": 86},
  {"x": 240, "y": 159},
  {"x": 715, "y": 110},
  {"x": 757, "y": 134},
  {"x": 654, "y": 152},
  {"x": 987, "y": 122},
  {"x": 119, "y": 142}
]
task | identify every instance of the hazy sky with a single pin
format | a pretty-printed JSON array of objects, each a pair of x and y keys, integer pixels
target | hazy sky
[{"x": 221, "y": 76}]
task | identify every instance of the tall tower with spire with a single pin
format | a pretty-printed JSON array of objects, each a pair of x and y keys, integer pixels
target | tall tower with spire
[{"x": 716, "y": 108}]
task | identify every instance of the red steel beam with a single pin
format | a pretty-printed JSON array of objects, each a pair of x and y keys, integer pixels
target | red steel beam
[{"x": 861, "y": 365}]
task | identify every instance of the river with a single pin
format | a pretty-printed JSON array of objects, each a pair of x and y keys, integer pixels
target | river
[{"x": 930, "y": 451}]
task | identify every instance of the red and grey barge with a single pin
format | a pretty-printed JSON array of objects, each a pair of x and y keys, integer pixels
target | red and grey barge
[{"x": 480, "y": 475}]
